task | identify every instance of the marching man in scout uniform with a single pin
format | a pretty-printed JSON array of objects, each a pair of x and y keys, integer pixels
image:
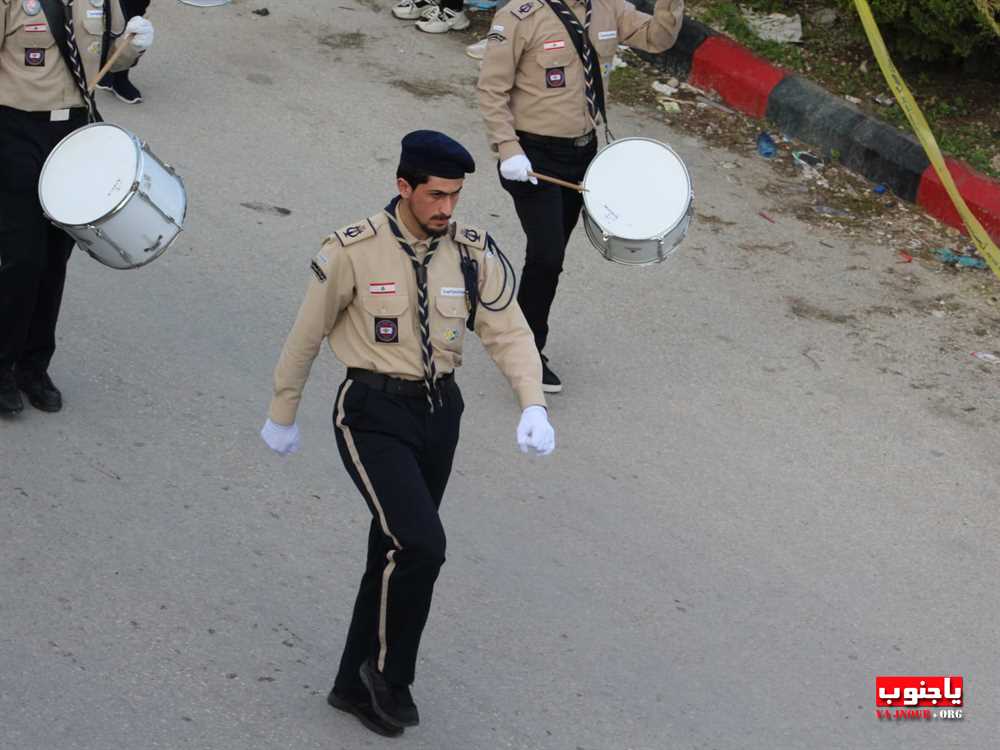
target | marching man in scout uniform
[
  {"x": 48, "y": 52},
  {"x": 541, "y": 93},
  {"x": 393, "y": 294}
]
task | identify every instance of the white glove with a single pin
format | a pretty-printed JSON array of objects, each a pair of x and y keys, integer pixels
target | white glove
[
  {"x": 281, "y": 439},
  {"x": 143, "y": 31},
  {"x": 534, "y": 432},
  {"x": 516, "y": 168}
]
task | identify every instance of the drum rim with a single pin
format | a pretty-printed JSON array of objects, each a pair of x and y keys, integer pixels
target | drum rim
[
  {"x": 687, "y": 174},
  {"x": 136, "y": 179}
]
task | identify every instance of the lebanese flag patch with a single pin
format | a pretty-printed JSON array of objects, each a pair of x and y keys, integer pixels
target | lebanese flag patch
[
  {"x": 382, "y": 287},
  {"x": 36, "y": 27},
  {"x": 553, "y": 44}
]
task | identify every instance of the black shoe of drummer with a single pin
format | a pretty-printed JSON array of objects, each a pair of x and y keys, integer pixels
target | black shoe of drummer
[
  {"x": 550, "y": 381},
  {"x": 391, "y": 702},
  {"x": 358, "y": 703},
  {"x": 11, "y": 402},
  {"x": 40, "y": 390},
  {"x": 124, "y": 88}
]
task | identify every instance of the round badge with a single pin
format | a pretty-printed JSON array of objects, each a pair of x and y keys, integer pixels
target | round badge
[
  {"x": 31, "y": 7},
  {"x": 97, "y": 3}
]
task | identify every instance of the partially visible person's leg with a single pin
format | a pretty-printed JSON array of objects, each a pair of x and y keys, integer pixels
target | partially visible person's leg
[{"x": 119, "y": 83}]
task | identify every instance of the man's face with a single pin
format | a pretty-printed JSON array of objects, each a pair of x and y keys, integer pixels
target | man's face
[{"x": 432, "y": 203}]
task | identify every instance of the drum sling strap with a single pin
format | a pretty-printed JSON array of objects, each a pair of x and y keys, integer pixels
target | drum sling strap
[
  {"x": 588, "y": 56},
  {"x": 60, "y": 18}
]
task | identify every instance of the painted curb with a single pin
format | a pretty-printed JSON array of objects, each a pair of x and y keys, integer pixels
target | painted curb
[{"x": 808, "y": 112}]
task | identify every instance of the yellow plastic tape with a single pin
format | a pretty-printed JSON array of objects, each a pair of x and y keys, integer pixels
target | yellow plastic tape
[{"x": 919, "y": 124}]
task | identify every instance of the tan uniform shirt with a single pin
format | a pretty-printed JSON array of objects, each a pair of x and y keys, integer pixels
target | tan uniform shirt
[
  {"x": 33, "y": 75},
  {"x": 532, "y": 78},
  {"x": 363, "y": 300}
]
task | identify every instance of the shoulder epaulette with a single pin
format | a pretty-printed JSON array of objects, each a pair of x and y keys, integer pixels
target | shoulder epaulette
[
  {"x": 355, "y": 232},
  {"x": 471, "y": 236},
  {"x": 525, "y": 9}
]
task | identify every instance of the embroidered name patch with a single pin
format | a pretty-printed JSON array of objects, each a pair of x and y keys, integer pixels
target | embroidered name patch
[
  {"x": 602, "y": 35},
  {"x": 382, "y": 287},
  {"x": 553, "y": 44},
  {"x": 387, "y": 330},
  {"x": 453, "y": 291},
  {"x": 95, "y": 14},
  {"x": 34, "y": 58},
  {"x": 555, "y": 78}
]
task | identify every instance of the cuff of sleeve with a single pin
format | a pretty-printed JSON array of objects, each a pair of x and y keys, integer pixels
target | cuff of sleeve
[
  {"x": 282, "y": 412},
  {"x": 508, "y": 149},
  {"x": 530, "y": 394}
]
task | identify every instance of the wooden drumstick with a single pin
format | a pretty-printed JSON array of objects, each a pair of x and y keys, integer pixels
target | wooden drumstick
[
  {"x": 111, "y": 61},
  {"x": 557, "y": 181}
]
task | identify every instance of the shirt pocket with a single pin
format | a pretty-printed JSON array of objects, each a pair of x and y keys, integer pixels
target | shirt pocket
[
  {"x": 448, "y": 321},
  {"x": 29, "y": 36},
  {"x": 554, "y": 68},
  {"x": 386, "y": 316},
  {"x": 93, "y": 21}
]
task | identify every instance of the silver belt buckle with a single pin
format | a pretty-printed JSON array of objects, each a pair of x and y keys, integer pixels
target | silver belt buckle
[{"x": 59, "y": 115}]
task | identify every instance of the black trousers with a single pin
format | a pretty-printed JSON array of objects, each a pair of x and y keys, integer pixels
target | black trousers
[
  {"x": 132, "y": 8},
  {"x": 548, "y": 214},
  {"x": 33, "y": 253},
  {"x": 399, "y": 455}
]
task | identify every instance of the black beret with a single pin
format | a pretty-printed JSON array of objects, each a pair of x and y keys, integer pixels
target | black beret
[{"x": 435, "y": 154}]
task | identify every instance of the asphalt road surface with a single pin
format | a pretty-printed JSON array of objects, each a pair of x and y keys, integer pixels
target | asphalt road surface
[{"x": 767, "y": 489}]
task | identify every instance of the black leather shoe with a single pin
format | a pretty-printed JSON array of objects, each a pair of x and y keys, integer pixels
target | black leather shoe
[
  {"x": 40, "y": 390},
  {"x": 393, "y": 703},
  {"x": 550, "y": 381},
  {"x": 11, "y": 402},
  {"x": 360, "y": 705}
]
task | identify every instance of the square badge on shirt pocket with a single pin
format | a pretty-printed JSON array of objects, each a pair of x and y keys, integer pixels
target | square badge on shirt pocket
[{"x": 34, "y": 57}]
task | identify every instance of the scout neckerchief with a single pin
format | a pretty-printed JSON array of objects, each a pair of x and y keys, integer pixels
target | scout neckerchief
[
  {"x": 592, "y": 79},
  {"x": 420, "y": 268},
  {"x": 60, "y": 18}
]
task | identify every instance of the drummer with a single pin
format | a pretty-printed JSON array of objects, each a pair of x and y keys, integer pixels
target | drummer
[
  {"x": 542, "y": 105},
  {"x": 42, "y": 100}
]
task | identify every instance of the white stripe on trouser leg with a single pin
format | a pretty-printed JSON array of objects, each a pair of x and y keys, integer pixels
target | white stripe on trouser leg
[{"x": 383, "y": 609}]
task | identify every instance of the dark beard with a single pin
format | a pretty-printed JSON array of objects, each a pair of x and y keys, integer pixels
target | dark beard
[{"x": 434, "y": 232}]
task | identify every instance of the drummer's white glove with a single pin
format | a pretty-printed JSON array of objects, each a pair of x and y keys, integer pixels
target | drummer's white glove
[
  {"x": 281, "y": 438},
  {"x": 534, "y": 433},
  {"x": 143, "y": 31},
  {"x": 516, "y": 168}
]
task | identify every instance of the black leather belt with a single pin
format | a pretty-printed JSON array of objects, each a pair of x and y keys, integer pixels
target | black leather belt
[
  {"x": 395, "y": 386},
  {"x": 579, "y": 142},
  {"x": 57, "y": 115}
]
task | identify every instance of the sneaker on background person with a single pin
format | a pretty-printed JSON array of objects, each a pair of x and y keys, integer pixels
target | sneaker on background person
[
  {"x": 477, "y": 51},
  {"x": 440, "y": 20},
  {"x": 411, "y": 10}
]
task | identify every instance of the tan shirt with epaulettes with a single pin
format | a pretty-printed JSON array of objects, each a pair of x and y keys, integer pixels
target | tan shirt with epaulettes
[
  {"x": 362, "y": 298},
  {"x": 532, "y": 78},
  {"x": 33, "y": 75}
]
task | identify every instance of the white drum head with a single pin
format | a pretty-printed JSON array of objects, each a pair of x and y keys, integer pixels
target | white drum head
[
  {"x": 89, "y": 174},
  {"x": 637, "y": 189}
]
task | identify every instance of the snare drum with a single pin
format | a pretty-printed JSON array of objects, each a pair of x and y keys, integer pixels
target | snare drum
[
  {"x": 638, "y": 201},
  {"x": 107, "y": 190}
]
